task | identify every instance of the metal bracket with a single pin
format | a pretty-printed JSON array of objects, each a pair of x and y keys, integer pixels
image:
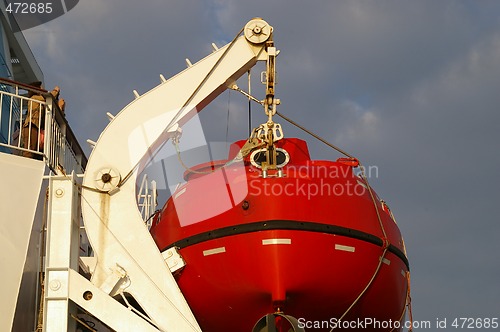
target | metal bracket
[{"x": 173, "y": 259}]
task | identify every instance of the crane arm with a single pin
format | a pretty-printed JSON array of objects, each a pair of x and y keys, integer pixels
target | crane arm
[{"x": 127, "y": 257}]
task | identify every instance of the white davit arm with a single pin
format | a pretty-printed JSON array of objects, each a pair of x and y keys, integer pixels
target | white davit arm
[{"x": 127, "y": 257}]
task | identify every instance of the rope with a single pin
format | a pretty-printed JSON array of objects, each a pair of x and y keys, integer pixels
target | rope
[
  {"x": 385, "y": 246},
  {"x": 153, "y": 283},
  {"x": 191, "y": 97},
  {"x": 407, "y": 305},
  {"x": 382, "y": 228},
  {"x": 314, "y": 135},
  {"x": 408, "y": 297},
  {"x": 227, "y": 117},
  {"x": 249, "y": 103},
  {"x": 363, "y": 175},
  {"x": 189, "y": 169},
  {"x": 372, "y": 196},
  {"x": 186, "y": 167},
  {"x": 384, "y": 238},
  {"x": 364, "y": 289}
]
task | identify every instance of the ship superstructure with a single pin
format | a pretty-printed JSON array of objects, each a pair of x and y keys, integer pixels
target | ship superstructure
[{"x": 24, "y": 180}]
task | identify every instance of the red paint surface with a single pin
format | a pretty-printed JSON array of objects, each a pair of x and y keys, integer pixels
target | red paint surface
[{"x": 308, "y": 278}]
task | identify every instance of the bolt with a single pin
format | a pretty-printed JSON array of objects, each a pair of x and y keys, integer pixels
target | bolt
[
  {"x": 245, "y": 205},
  {"x": 55, "y": 285},
  {"x": 106, "y": 178},
  {"x": 87, "y": 295},
  {"x": 257, "y": 30}
]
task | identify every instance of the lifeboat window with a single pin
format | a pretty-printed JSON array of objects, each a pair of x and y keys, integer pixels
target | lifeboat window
[{"x": 259, "y": 156}]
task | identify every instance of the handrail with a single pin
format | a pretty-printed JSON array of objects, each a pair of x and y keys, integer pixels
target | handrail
[
  {"x": 55, "y": 143},
  {"x": 22, "y": 86},
  {"x": 147, "y": 199}
]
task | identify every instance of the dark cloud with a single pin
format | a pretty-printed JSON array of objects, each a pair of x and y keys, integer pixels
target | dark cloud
[{"x": 410, "y": 87}]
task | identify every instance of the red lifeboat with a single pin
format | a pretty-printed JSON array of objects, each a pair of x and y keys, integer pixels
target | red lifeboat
[{"x": 311, "y": 241}]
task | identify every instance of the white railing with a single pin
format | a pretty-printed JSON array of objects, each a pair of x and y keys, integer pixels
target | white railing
[
  {"x": 147, "y": 200},
  {"x": 11, "y": 123},
  {"x": 42, "y": 139}
]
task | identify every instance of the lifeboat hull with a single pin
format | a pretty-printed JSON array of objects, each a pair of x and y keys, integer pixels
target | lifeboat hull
[{"x": 288, "y": 243}]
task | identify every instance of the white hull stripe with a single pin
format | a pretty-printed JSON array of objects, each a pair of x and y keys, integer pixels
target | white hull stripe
[
  {"x": 266, "y": 242},
  {"x": 214, "y": 251},
  {"x": 344, "y": 248}
]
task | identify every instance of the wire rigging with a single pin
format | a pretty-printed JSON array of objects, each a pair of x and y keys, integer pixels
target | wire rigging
[
  {"x": 249, "y": 103},
  {"x": 188, "y": 101},
  {"x": 227, "y": 118},
  {"x": 314, "y": 135}
]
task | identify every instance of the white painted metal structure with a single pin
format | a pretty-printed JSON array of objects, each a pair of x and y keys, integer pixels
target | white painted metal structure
[
  {"x": 128, "y": 261},
  {"x": 22, "y": 197},
  {"x": 22, "y": 184},
  {"x": 17, "y": 209}
]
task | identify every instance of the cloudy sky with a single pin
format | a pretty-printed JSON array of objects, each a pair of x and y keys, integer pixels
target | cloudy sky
[{"x": 412, "y": 87}]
